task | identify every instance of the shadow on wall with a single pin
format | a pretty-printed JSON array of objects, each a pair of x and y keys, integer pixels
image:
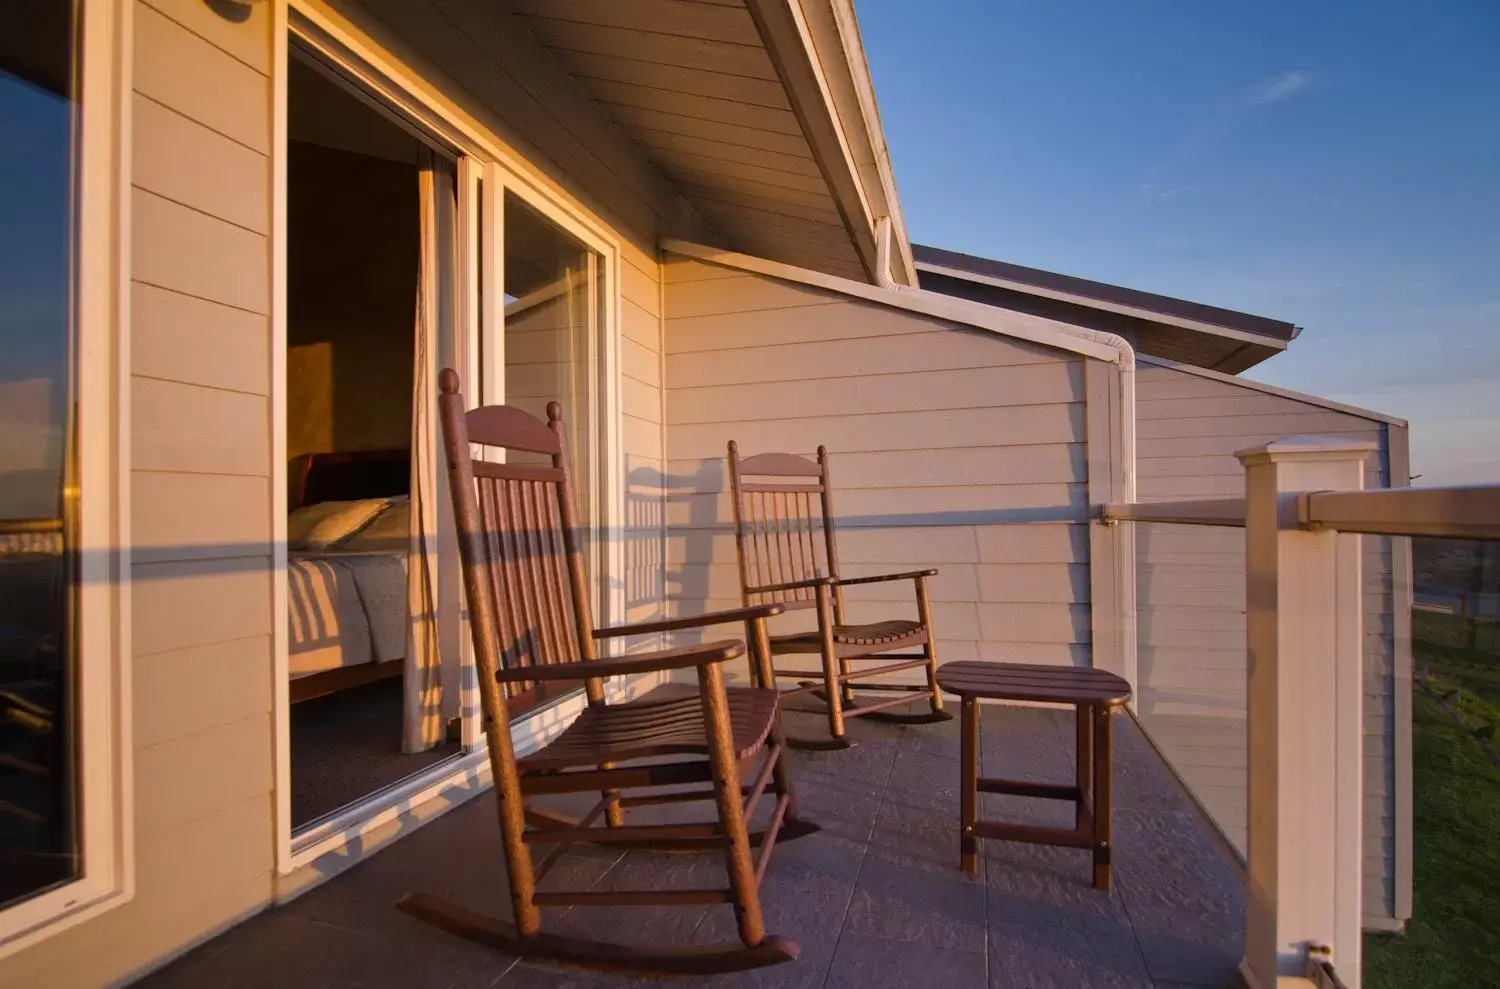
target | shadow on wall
[
  {"x": 700, "y": 517},
  {"x": 645, "y": 559}
]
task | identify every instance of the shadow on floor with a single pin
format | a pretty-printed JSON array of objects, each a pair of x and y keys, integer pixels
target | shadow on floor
[{"x": 875, "y": 900}]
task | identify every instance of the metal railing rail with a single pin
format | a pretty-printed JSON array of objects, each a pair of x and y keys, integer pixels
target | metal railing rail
[
  {"x": 1450, "y": 513},
  {"x": 1468, "y": 512},
  {"x": 1228, "y": 512}
]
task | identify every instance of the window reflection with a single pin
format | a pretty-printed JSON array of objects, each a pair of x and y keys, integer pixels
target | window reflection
[
  {"x": 553, "y": 293},
  {"x": 38, "y": 846}
]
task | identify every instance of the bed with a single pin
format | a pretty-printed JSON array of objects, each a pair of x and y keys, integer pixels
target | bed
[{"x": 346, "y": 591}]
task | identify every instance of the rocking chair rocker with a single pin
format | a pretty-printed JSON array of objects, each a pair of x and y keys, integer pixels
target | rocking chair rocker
[
  {"x": 529, "y": 610},
  {"x": 776, "y": 523}
]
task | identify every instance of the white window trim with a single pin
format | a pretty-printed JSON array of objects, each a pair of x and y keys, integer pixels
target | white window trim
[
  {"x": 503, "y": 169},
  {"x": 101, "y": 328}
]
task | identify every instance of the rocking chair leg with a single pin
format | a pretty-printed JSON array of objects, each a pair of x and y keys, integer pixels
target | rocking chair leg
[
  {"x": 831, "y": 668},
  {"x": 929, "y": 649},
  {"x": 614, "y": 815},
  {"x": 781, "y": 776},
  {"x": 726, "y": 773}
]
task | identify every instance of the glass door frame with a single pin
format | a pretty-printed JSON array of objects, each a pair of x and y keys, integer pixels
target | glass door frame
[
  {"x": 487, "y": 354},
  {"x": 487, "y": 170}
]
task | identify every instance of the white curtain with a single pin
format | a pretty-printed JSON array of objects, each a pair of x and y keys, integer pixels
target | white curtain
[{"x": 431, "y": 674}]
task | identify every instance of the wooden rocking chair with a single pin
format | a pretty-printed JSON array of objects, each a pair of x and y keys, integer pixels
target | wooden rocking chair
[
  {"x": 529, "y": 610},
  {"x": 775, "y": 535}
]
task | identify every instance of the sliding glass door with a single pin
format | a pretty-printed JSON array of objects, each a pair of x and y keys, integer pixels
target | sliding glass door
[{"x": 409, "y": 252}]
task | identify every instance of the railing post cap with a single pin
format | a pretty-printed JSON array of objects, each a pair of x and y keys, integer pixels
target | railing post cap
[{"x": 1306, "y": 448}]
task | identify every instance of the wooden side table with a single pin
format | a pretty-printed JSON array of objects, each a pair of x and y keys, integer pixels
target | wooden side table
[{"x": 1094, "y": 694}]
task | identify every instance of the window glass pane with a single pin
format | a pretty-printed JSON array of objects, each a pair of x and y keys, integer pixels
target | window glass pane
[
  {"x": 38, "y": 807},
  {"x": 553, "y": 288}
]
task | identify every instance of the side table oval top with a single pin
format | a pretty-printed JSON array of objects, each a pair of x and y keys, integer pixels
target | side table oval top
[{"x": 1032, "y": 682}]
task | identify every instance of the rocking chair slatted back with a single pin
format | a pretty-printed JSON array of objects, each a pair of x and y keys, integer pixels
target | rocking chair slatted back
[
  {"x": 783, "y": 530},
  {"x": 519, "y": 541}
]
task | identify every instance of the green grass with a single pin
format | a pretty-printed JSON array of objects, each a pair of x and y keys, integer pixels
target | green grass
[
  {"x": 1443, "y": 640},
  {"x": 1453, "y": 938}
]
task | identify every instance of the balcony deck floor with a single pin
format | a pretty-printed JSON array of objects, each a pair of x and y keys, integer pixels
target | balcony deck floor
[{"x": 876, "y": 899}]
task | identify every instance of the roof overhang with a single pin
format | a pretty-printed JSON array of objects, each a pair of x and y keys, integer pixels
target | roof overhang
[
  {"x": 750, "y": 124},
  {"x": 836, "y": 98},
  {"x": 760, "y": 112},
  {"x": 1175, "y": 329}
]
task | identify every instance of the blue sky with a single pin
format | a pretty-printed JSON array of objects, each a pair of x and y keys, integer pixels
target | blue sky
[{"x": 1335, "y": 164}]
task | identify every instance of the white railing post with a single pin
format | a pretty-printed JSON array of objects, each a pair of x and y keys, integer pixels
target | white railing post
[{"x": 1304, "y": 639}]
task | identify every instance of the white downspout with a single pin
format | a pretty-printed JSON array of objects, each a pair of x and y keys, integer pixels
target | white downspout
[
  {"x": 883, "y": 227},
  {"x": 1125, "y": 572},
  {"x": 1125, "y": 577}
]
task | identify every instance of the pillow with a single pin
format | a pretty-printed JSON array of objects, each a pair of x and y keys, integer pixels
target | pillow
[
  {"x": 314, "y": 528},
  {"x": 389, "y": 533}
]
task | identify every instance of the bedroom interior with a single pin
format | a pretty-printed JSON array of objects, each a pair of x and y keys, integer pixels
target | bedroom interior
[
  {"x": 355, "y": 233},
  {"x": 375, "y": 665}
]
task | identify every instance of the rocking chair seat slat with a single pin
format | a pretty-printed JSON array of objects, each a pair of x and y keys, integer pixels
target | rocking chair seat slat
[
  {"x": 895, "y": 634},
  {"x": 667, "y": 721}
]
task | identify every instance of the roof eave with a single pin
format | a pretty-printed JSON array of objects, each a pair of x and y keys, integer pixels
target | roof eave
[
  {"x": 816, "y": 47},
  {"x": 1166, "y": 319}
]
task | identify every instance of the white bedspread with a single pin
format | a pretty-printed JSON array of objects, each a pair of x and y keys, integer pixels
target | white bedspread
[{"x": 346, "y": 609}]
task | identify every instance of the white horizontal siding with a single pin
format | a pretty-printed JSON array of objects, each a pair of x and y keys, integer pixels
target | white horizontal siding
[{"x": 949, "y": 448}]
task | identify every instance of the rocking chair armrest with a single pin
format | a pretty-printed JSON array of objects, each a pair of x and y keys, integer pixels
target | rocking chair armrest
[
  {"x": 677, "y": 658},
  {"x": 791, "y": 585},
  {"x": 909, "y": 575},
  {"x": 696, "y": 621}
]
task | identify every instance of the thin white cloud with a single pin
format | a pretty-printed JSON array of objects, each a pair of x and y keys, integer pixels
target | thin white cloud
[{"x": 1275, "y": 89}]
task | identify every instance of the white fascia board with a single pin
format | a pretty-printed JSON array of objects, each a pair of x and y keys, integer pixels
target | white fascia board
[
  {"x": 818, "y": 52},
  {"x": 1089, "y": 302},
  {"x": 788, "y": 40},
  {"x": 860, "y": 113}
]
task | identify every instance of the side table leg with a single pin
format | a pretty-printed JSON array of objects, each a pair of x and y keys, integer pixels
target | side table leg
[
  {"x": 1103, "y": 770},
  {"x": 1083, "y": 716},
  {"x": 969, "y": 787}
]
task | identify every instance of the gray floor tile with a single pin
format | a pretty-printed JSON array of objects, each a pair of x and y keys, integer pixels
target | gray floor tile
[
  {"x": 868, "y": 763},
  {"x": 279, "y": 949},
  {"x": 903, "y": 898},
  {"x": 1165, "y": 864},
  {"x": 877, "y": 963},
  {"x": 653, "y": 925},
  {"x": 933, "y": 780},
  {"x": 1043, "y": 886},
  {"x": 788, "y": 975},
  {"x": 1025, "y": 957},
  {"x": 805, "y": 896},
  {"x": 841, "y": 806},
  {"x": 1196, "y": 954},
  {"x": 526, "y": 975},
  {"x": 941, "y": 738}
]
